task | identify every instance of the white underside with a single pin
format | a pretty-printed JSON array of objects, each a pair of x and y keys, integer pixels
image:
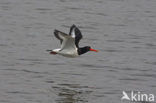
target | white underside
[{"x": 67, "y": 53}]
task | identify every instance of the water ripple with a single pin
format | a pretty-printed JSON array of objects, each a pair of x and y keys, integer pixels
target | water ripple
[
  {"x": 92, "y": 66},
  {"x": 66, "y": 93}
]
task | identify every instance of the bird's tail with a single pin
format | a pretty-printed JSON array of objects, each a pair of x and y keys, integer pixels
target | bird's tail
[{"x": 48, "y": 50}]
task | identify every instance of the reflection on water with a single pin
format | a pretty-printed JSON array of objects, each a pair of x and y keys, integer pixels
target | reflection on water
[{"x": 71, "y": 93}]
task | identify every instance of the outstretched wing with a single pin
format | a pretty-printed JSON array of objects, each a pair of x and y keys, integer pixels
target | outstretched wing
[
  {"x": 67, "y": 42},
  {"x": 75, "y": 33},
  {"x": 56, "y": 33}
]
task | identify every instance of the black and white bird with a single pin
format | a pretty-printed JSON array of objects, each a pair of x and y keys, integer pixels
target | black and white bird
[{"x": 70, "y": 43}]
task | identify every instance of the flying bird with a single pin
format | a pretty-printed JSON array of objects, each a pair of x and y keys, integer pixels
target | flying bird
[{"x": 70, "y": 43}]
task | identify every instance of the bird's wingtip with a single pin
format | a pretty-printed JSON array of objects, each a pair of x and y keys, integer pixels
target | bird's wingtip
[
  {"x": 73, "y": 25},
  {"x": 56, "y": 31}
]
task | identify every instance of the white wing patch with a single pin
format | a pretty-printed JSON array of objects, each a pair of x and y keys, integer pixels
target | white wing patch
[
  {"x": 68, "y": 42},
  {"x": 73, "y": 33}
]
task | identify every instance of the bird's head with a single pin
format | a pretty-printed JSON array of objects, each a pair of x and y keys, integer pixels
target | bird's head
[
  {"x": 86, "y": 49},
  {"x": 90, "y": 49}
]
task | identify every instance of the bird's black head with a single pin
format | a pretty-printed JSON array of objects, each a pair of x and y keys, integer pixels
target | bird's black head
[{"x": 85, "y": 49}]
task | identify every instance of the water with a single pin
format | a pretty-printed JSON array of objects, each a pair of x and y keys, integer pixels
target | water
[{"x": 124, "y": 31}]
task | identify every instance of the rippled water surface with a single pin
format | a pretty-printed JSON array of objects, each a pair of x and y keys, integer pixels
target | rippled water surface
[{"x": 124, "y": 31}]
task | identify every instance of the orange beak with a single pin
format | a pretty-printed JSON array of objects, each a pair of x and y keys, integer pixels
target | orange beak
[{"x": 93, "y": 50}]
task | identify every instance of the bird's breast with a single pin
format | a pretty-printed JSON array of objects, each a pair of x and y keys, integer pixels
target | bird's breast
[{"x": 69, "y": 53}]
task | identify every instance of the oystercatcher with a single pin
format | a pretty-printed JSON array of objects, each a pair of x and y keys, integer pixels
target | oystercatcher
[{"x": 70, "y": 43}]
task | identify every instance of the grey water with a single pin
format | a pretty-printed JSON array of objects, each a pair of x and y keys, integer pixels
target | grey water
[{"x": 124, "y": 32}]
